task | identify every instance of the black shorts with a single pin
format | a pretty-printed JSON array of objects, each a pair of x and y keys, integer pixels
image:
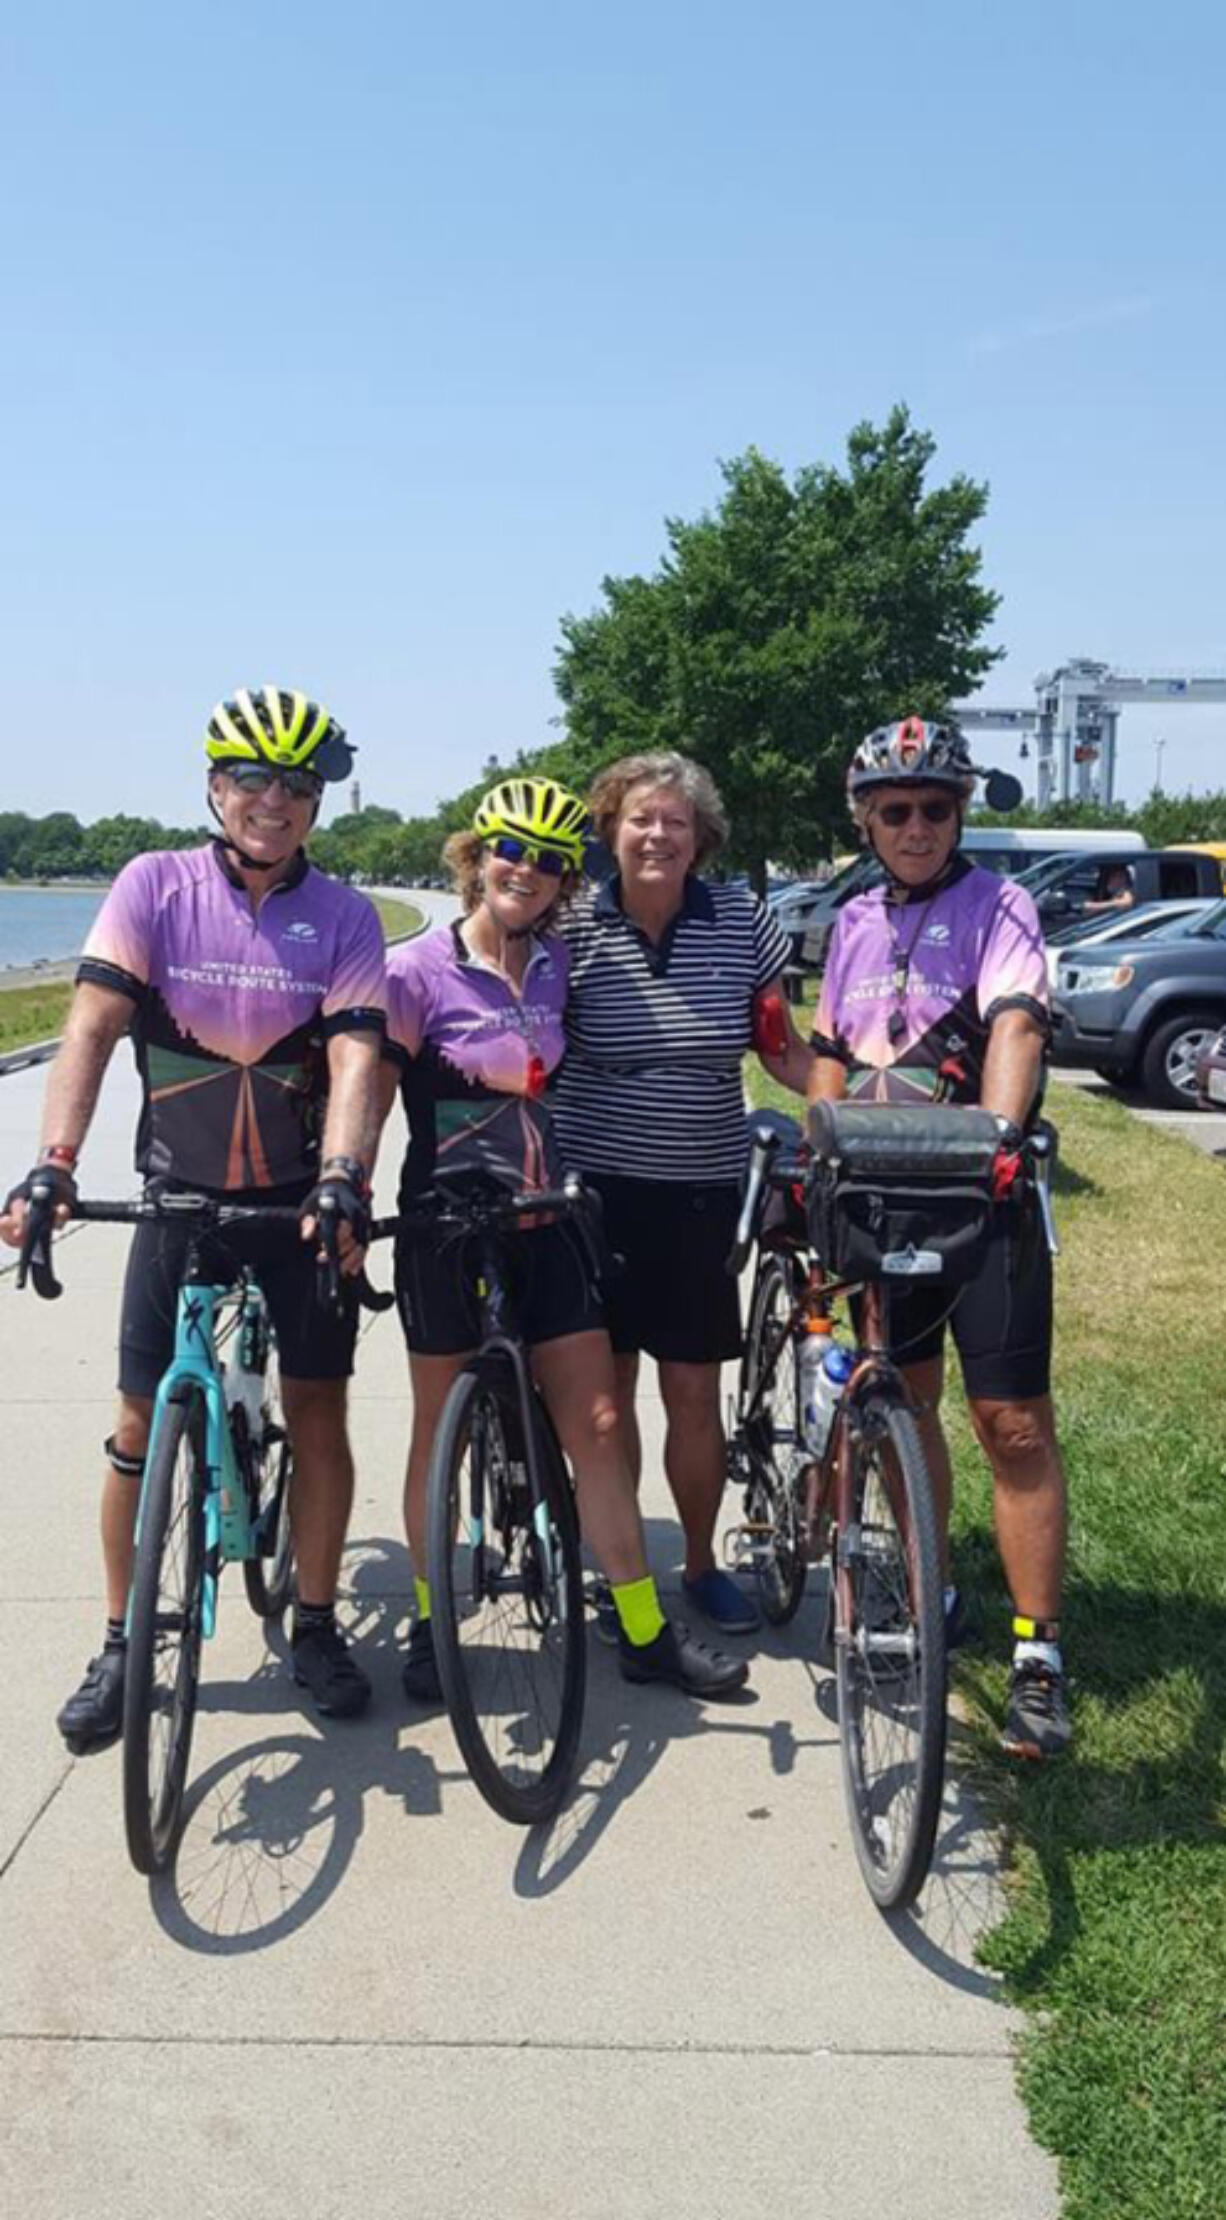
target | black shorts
[
  {"x": 314, "y": 1341},
  {"x": 1001, "y": 1320},
  {"x": 553, "y": 1288},
  {"x": 668, "y": 1291}
]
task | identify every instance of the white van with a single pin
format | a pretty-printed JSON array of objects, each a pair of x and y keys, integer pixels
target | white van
[{"x": 807, "y": 913}]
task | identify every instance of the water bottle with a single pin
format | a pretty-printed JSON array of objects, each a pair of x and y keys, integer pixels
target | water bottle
[
  {"x": 825, "y": 1369},
  {"x": 242, "y": 1374}
]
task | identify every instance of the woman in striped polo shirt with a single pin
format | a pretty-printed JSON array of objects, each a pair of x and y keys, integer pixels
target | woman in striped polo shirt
[{"x": 665, "y": 974}]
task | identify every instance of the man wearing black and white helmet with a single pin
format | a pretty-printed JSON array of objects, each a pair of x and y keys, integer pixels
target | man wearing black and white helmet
[{"x": 935, "y": 990}]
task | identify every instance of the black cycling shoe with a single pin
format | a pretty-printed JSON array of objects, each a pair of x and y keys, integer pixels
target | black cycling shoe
[
  {"x": 1037, "y": 1723},
  {"x": 324, "y": 1664},
  {"x": 678, "y": 1657},
  {"x": 419, "y": 1673},
  {"x": 94, "y": 1712}
]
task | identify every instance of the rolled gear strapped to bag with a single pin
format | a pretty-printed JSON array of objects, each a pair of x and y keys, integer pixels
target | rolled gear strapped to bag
[{"x": 901, "y": 1193}]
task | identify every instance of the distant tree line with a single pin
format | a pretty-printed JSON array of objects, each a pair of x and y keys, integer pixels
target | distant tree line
[{"x": 58, "y": 846}]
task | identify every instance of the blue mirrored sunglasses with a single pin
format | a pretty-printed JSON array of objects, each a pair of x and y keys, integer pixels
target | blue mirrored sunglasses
[
  {"x": 254, "y": 778},
  {"x": 549, "y": 861}
]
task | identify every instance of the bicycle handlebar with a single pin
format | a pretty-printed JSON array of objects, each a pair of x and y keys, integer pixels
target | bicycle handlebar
[{"x": 34, "y": 1257}]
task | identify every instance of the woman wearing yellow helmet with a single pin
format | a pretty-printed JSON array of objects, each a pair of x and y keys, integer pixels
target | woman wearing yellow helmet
[{"x": 475, "y": 1031}]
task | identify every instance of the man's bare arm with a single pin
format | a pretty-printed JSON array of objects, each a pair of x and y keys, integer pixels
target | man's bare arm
[
  {"x": 1013, "y": 1066},
  {"x": 351, "y": 1127},
  {"x": 97, "y": 1018}
]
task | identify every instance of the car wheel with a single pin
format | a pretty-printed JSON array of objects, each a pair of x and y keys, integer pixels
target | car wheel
[{"x": 1168, "y": 1067}]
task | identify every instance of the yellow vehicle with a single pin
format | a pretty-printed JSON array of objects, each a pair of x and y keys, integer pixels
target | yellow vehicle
[{"x": 1207, "y": 848}]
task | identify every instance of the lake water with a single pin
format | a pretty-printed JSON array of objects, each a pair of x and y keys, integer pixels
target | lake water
[{"x": 50, "y": 924}]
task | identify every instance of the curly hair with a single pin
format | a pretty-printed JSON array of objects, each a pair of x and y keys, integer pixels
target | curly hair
[{"x": 661, "y": 767}]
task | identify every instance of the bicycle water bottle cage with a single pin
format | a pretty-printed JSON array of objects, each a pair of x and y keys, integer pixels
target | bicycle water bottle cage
[{"x": 901, "y": 1192}]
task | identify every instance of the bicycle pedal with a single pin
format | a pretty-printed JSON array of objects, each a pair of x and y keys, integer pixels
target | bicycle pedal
[{"x": 746, "y": 1545}]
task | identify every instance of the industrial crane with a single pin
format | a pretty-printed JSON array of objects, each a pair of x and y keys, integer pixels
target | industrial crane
[{"x": 1075, "y": 718}]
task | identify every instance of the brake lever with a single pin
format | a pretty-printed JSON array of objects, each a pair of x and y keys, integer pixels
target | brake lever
[
  {"x": 34, "y": 1262},
  {"x": 1042, "y": 1151},
  {"x": 761, "y": 1150},
  {"x": 327, "y": 1267}
]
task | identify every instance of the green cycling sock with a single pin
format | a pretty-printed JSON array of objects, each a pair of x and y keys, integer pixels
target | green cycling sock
[
  {"x": 638, "y": 1609},
  {"x": 421, "y": 1589}
]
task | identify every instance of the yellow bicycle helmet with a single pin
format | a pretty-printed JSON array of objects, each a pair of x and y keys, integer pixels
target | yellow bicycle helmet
[
  {"x": 536, "y": 811},
  {"x": 288, "y": 730}
]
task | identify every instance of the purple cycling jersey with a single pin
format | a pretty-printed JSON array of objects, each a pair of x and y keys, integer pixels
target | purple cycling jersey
[
  {"x": 474, "y": 1056},
  {"x": 233, "y": 1010},
  {"x": 911, "y": 988}
]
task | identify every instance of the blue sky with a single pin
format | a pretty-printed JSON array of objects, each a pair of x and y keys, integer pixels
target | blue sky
[{"x": 352, "y": 347}]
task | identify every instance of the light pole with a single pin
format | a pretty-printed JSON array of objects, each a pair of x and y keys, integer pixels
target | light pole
[{"x": 1158, "y": 747}]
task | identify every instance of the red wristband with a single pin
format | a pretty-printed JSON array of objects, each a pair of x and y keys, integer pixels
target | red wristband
[{"x": 61, "y": 1154}]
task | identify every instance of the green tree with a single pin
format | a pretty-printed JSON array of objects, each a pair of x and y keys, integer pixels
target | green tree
[{"x": 780, "y": 628}]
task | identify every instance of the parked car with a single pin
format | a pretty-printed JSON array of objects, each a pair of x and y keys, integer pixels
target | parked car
[
  {"x": 1154, "y": 921},
  {"x": 1006, "y": 849},
  {"x": 1064, "y": 888},
  {"x": 1141, "y": 1012},
  {"x": 1211, "y": 1074}
]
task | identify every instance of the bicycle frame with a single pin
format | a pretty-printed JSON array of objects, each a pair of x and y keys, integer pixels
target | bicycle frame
[
  {"x": 228, "y": 1528},
  {"x": 499, "y": 1342}
]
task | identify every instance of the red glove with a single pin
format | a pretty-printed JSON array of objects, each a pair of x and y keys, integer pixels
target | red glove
[{"x": 1007, "y": 1169}]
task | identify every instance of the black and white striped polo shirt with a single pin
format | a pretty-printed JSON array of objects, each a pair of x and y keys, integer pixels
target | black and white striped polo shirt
[{"x": 651, "y": 1083}]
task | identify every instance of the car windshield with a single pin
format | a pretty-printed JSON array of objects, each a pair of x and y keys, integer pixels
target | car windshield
[
  {"x": 1038, "y": 875},
  {"x": 1212, "y": 926}
]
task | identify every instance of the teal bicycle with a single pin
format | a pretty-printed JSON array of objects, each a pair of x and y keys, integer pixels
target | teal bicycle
[{"x": 216, "y": 1489}]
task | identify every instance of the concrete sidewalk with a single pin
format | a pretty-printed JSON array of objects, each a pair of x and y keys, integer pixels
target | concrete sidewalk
[{"x": 359, "y": 1992}]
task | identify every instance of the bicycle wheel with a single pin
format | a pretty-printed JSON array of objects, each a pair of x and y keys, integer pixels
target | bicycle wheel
[
  {"x": 890, "y": 1652},
  {"x": 773, "y": 1445},
  {"x": 269, "y": 1578},
  {"x": 507, "y": 1599},
  {"x": 164, "y": 1638}
]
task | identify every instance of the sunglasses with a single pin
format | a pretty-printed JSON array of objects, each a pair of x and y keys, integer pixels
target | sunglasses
[
  {"x": 252, "y": 778},
  {"x": 938, "y": 811},
  {"x": 550, "y": 862}
]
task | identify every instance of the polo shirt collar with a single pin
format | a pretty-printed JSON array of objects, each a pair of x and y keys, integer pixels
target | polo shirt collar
[{"x": 696, "y": 901}]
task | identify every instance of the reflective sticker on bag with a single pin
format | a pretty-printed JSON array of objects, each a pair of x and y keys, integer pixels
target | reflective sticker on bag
[{"x": 912, "y": 1263}]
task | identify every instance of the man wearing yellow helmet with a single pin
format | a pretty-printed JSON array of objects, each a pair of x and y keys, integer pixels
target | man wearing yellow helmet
[{"x": 252, "y": 986}]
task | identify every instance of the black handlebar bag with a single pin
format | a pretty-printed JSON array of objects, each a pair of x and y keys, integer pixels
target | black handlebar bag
[{"x": 901, "y": 1192}]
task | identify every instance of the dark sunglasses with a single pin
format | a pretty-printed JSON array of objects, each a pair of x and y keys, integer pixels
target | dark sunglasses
[
  {"x": 253, "y": 778},
  {"x": 937, "y": 811},
  {"x": 550, "y": 862}
]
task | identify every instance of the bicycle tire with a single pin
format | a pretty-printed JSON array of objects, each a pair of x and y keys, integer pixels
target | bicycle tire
[
  {"x": 890, "y": 1652},
  {"x": 269, "y": 1578},
  {"x": 496, "y": 1614},
  {"x": 773, "y": 1446},
  {"x": 164, "y": 1636}
]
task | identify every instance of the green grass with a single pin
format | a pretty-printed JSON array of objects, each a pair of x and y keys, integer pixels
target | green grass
[
  {"x": 1115, "y": 1937},
  {"x": 32, "y": 1013},
  {"x": 400, "y": 920}
]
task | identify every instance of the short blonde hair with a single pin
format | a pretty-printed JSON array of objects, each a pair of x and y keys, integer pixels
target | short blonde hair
[
  {"x": 661, "y": 767},
  {"x": 462, "y": 854}
]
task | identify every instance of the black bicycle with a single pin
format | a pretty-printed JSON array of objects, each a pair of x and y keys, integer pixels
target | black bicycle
[
  {"x": 503, "y": 1557},
  {"x": 828, "y": 1455}
]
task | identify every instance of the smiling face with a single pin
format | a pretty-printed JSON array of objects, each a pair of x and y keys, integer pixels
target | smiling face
[
  {"x": 270, "y": 826},
  {"x": 516, "y": 895},
  {"x": 914, "y": 830},
  {"x": 656, "y": 840}
]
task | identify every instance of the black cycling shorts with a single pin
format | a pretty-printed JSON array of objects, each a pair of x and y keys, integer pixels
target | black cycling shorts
[
  {"x": 552, "y": 1284},
  {"x": 314, "y": 1341},
  {"x": 1001, "y": 1320},
  {"x": 668, "y": 1291}
]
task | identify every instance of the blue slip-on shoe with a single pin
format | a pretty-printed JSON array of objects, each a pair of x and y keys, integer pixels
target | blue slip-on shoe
[{"x": 719, "y": 1599}]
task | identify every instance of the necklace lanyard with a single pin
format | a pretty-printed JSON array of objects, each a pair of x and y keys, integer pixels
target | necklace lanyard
[{"x": 896, "y": 1023}]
